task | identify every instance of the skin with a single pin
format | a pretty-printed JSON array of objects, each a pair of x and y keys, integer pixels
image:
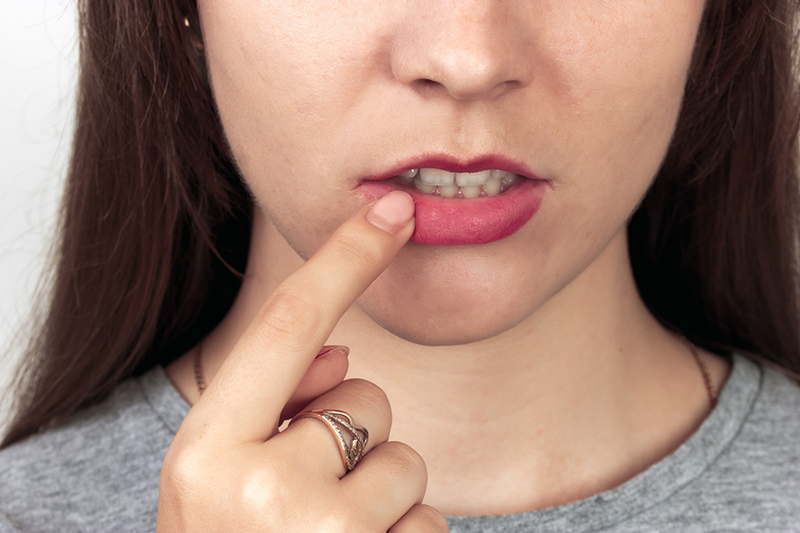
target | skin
[
  {"x": 526, "y": 372},
  {"x": 586, "y": 95}
]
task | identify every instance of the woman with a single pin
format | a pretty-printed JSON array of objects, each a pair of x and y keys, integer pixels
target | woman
[{"x": 532, "y": 207}]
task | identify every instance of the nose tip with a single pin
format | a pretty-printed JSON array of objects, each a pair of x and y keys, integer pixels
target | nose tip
[
  {"x": 471, "y": 76},
  {"x": 471, "y": 51}
]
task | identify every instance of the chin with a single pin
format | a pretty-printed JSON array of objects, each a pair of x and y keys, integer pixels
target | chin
[
  {"x": 424, "y": 335},
  {"x": 452, "y": 296},
  {"x": 431, "y": 320}
]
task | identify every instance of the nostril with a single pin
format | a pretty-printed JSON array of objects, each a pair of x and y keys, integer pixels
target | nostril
[
  {"x": 425, "y": 83},
  {"x": 464, "y": 82},
  {"x": 468, "y": 51},
  {"x": 426, "y": 86}
]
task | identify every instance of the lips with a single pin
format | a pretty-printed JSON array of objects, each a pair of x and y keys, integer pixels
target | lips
[{"x": 457, "y": 221}]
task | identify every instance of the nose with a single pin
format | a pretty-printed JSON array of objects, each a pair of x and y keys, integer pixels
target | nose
[{"x": 471, "y": 49}]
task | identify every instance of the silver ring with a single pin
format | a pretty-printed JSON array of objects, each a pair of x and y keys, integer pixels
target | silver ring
[{"x": 352, "y": 439}]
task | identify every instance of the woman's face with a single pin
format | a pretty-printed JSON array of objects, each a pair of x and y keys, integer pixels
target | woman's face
[{"x": 322, "y": 100}]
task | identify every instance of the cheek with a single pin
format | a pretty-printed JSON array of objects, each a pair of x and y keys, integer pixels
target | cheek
[
  {"x": 285, "y": 74},
  {"x": 618, "y": 82},
  {"x": 289, "y": 79},
  {"x": 597, "y": 119}
]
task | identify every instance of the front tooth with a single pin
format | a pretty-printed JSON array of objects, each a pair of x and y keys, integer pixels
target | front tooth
[
  {"x": 471, "y": 191},
  {"x": 492, "y": 187},
  {"x": 472, "y": 178},
  {"x": 448, "y": 191},
  {"x": 434, "y": 176},
  {"x": 424, "y": 187}
]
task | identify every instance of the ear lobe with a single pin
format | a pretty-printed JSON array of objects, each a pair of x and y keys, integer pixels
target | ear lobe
[
  {"x": 195, "y": 38},
  {"x": 196, "y": 47}
]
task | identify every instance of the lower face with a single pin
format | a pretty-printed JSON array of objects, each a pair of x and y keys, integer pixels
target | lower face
[{"x": 328, "y": 105}]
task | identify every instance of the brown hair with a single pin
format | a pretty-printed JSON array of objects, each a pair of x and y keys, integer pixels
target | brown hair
[
  {"x": 714, "y": 245},
  {"x": 156, "y": 220}
]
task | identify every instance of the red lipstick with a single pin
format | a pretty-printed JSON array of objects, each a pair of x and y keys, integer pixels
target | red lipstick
[{"x": 454, "y": 221}]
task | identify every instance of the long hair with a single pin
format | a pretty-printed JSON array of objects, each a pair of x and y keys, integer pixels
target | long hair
[
  {"x": 155, "y": 221},
  {"x": 714, "y": 245}
]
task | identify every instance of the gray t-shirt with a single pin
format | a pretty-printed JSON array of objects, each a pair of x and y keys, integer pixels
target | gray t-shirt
[{"x": 739, "y": 472}]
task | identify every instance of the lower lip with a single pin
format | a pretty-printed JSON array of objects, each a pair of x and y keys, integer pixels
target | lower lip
[{"x": 451, "y": 221}]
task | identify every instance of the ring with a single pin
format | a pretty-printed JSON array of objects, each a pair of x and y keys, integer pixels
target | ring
[{"x": 352, "y": 446}]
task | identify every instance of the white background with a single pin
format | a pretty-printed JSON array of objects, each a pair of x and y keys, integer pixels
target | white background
[{"x": 38, "y": 58}]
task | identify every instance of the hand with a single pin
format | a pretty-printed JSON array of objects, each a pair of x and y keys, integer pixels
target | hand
[{"x": 230, "y": 469}]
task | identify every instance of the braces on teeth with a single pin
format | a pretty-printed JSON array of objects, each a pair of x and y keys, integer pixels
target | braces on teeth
[{"x": 460, "y": 184}]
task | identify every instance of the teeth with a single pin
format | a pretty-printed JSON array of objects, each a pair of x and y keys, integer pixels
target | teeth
[
  {"x": 499, "y": 174},
  {"x": 472, "y": 178},
  {"x": 448, "y": 191},
  {"x": 460, "y": 185},
  {"x": 470, "y": 191},
  {"x": 424, "y": 187},
  {"x": 492, "y": 187},
  {"x": 408, "y": 175},
  {"x": 507, "y": 181},
  {"x": 434, "y": 176}
]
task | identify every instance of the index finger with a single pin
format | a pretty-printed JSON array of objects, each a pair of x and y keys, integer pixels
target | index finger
[{"x": 269, "y": 360}]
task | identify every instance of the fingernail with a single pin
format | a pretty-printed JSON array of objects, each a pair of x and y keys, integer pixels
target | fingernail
[
  {"x": 392, "y": 212},
  {"x": 330, "y": 349}
]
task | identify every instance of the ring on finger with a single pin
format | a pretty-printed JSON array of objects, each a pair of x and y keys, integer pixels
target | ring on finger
[{"x": 352, "y": 439}]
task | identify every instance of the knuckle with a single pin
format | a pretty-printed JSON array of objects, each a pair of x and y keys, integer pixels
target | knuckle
[
  {"x": 429, "y": 519},
  {"x": 333, "y": 521},
  {"x": 269, "y": 496},
  {"x": 403, "y": 461},
  {"x": 421, "y": 518},
  {"x": 290, "y": 317},
  {"x": 184, "y": 468},
  {"x": 260, "y": 489}
]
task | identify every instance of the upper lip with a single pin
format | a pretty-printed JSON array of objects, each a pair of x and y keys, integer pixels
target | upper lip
[{"x": 454, "y": 164}]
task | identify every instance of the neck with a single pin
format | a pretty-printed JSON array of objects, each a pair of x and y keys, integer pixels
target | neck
[
  {"x": 593, "y": 387},
  {"x": 579, "y": 397}
]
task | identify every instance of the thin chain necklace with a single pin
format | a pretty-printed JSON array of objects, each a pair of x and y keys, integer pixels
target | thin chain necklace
[
  {"x": 198, "y": 369},
  {"x": 712, "y": 393}
]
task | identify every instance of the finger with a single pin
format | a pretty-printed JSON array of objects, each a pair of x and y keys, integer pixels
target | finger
[
  {"x": 259, "y": 376},
  {"x": 311, "y": 444},
  {"x": 421, "y": 519},
  {"x": 387, "y": 482},
  {"x": 326, "y": 371}
]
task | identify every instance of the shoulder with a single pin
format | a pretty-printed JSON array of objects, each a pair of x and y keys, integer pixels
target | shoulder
[
  {"x": 771, "y": 430},
  {"x": 769, "y": 440},
  {"x": 99, "y": 469},
  {"x": 740, "y": 471},
  {"x": 754, "y": 479},
  {"x": 779, "y": 397}
]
